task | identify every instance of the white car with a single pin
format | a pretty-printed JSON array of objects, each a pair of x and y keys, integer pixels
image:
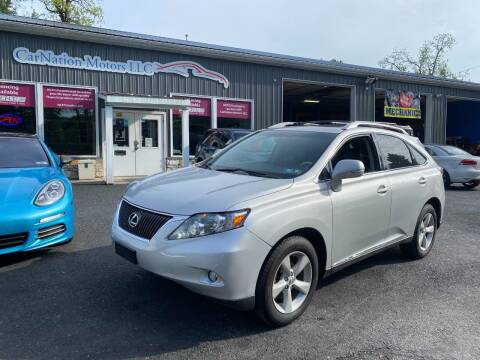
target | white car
[
  {"x": 259, "y": 223},
  {"x": 458, "y": 165}
]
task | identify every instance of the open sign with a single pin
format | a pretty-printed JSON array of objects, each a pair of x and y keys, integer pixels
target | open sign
[{"x": 10, "y": 120}]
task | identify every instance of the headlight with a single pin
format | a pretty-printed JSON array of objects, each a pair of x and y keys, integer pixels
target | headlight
[
  {"x": 52, "y": 192},
  {"x": 209, "y": 223}
]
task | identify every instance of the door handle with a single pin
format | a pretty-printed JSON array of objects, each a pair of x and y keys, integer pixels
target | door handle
[
  {"x": 422, "y": 181},
  {"x": 383, "y": 189}
]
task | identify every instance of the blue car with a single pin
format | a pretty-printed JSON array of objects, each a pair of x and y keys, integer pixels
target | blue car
[{"x": 36, "y": 199}]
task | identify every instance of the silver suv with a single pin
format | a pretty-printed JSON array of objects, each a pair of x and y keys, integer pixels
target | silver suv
[{"x": 260, "y": 223}]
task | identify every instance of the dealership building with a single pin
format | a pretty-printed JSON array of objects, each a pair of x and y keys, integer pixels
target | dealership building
[{"x": 136, "y": 104}]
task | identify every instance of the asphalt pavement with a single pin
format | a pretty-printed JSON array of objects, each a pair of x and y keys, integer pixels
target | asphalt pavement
[{"x": 82, "y": 301}]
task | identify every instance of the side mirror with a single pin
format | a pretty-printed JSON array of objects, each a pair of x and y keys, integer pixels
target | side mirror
[
  {"x": 63, "y": 161},
  {"x": 346, "y": 169}
]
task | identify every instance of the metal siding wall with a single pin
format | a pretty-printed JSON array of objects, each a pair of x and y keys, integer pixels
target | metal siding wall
[{"x": 261, "y": 83}]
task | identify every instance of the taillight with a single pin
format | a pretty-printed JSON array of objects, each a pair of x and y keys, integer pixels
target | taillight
[{"x": 468, "y": 162}]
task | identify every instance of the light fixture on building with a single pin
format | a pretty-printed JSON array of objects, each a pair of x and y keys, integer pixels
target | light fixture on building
[{"x": 311, "y": 101}]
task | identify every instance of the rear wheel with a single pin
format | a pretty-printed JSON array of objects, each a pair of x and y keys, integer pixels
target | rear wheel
[
  {"x": 287, "y": 281},
  {"x": 471, "y": 184},
  {"x": 424, "y": 235}
]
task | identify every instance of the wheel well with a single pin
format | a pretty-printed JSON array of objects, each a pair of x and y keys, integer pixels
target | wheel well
[
  {"x": 318, "y": 243},
  {"x": 437, "y": 205}
]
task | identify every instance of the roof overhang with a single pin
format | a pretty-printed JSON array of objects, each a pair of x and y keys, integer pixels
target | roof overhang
[
  {"x": 133, "y": 40},
  {"x": 145, "y": 102}
]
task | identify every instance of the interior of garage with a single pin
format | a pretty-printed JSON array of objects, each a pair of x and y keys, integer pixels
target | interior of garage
[
  {"x": 417, "y": 125},
  {"x": 463, "y": 124},
  {"x": 315, "y": 102}
]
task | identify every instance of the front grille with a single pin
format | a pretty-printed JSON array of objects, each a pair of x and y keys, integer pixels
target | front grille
[
  {"x": 50, "y": 231},
  {"x": 12, "y": 240},
  {"x": 140, "y": 222}
]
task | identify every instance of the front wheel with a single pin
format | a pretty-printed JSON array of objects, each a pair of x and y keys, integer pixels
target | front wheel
[
  {"x": 287, "y": 281},
  {"x": 424, "y": 235},
  {"x": 446, "y": 179},
  {"x": 471, "y": 184}
]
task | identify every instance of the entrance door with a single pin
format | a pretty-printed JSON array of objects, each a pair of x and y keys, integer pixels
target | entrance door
[{"x": 137, "y": 144}]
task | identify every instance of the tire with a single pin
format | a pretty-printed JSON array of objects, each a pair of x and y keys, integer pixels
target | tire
[
  {"x": 446, "y": 178},
  {"x": 471, "y": 184},
  {"x": 279, "y": 311},
  {"x": 422, "y": 241}
]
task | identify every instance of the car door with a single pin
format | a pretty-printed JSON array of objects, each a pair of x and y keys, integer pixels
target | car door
[
  {"x": 409, "y": 180},
  {"x": 361, "y": 209}
]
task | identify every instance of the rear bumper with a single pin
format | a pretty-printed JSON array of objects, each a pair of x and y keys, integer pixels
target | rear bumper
[
  {"x": 48, "y": 220},
  {"x": 235, "y": 256},
  {"x": 465, "y": 174}
]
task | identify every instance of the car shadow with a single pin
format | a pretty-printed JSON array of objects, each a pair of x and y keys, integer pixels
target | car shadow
[
  {"x": 93, "y": 304},
  {"x": 460, "y": 188}
]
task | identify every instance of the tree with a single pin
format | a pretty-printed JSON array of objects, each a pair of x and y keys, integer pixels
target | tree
[
  {"x": 430, "y": 59},
  {"x": 8, "y": 7},
  {"x": 81, "y": 12}
]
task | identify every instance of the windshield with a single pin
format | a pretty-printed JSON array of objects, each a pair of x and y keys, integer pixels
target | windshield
[
  {"x": 22, "y": 153},
  {"x": 452, "y": 150},
  {"x": 239, "y": 134},
  {"x": 281, "y": 154}
]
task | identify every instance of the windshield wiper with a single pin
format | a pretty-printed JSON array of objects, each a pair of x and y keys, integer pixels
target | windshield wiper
[{"x": 247, "y": 172}]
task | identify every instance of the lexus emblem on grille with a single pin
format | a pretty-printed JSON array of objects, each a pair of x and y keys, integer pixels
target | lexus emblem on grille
[{"x": 133, "y": 219}]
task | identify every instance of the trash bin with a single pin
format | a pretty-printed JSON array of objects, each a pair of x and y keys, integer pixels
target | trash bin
[{"x": 86, "y": 169}]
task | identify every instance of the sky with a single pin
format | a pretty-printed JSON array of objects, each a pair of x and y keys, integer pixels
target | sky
[{"x": 355, "y": 31}]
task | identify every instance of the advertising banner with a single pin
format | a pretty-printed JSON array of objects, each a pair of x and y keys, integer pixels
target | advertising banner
[
  {"x": 234, "y": 109},
  {"x": 402, "y": 104},
  {"x": 198, "y": 107},
  {"x": 22, "y": 95},
  {"x": 68, "y": 98}
]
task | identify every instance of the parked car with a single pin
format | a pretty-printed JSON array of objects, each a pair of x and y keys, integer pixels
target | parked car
[
  {"x": 458, "y": 165},
  {"x": 36, "y": 201},
  {"x": 260, "y": 223},
  {"x": 216, "y": 139}
]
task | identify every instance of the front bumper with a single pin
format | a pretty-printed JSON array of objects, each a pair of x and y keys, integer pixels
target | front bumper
[
  {"x": 235, "y": 256},
  {"x": 33, "y": 219},
  {"x": 465, "y": 174}
]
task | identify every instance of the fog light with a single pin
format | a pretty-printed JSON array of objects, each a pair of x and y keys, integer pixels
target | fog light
[{"x": 212, "y": 276}]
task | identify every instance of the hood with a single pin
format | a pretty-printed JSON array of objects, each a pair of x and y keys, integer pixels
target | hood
[
  {"x": 195, "y": 190},
  {"x": 19, "y": 186}
]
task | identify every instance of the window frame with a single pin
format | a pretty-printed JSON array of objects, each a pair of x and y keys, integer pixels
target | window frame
[
  {"x": 329, "y": 166},
  {"x": 213, "y": 112},
  {"x": 382, "y": 164}
]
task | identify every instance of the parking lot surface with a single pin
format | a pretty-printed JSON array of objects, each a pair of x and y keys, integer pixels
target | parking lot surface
[{"x": 82, "y": 301}]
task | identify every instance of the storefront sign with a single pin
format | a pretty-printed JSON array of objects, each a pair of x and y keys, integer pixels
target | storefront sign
[
  {"x": 68, "y": 98},
  {"x": 198, "y": 107},
  {"x": 135, "y": 67},
  {"x": 10, "y": 120},
  {"x": 402, "y": 104},
  {"x": 234, "y": 109},
  {"x": 12, "y": 94}
]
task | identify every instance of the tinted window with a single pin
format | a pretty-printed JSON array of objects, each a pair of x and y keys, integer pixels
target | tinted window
[
  {"x": 395, "y": 153},
  {"x": 281, "y": 154},
  {"x": 359, "y": 148},
  {"x": 418, "y": 158},
  {"x": 452, "y": 150},
  {"x": 22, "y": 153}
]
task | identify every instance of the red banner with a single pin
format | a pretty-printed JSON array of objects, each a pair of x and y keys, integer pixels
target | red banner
[
  {"x": 12, "y": 94},
  {"x": 198, "y": 107},
  {"x": 68, "y": 98},
  {"x": 234, "y": 109}
]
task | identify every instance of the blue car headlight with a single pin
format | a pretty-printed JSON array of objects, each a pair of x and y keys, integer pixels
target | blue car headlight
[{"x": 51, "y": 192}]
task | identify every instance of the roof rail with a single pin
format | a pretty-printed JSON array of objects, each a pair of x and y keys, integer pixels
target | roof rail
[
  {"x": 291, "y": 123},
  {"x": 378, "y": 125}
]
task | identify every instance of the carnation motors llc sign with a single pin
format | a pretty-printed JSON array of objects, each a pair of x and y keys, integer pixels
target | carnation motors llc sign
[{"x": 134, "y": 67}]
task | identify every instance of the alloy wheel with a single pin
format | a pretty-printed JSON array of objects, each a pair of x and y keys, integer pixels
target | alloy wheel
[
  {"x": 292, "y": 282},
  {"x": 426, "y": 232}
]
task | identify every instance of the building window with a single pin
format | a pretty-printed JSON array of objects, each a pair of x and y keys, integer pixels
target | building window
[
  {"x": 70, "y": 120},
  {"x": 200, "y": 122},
  {"x": 17, "y": 108},
  {"x": 234, "y": 114}
]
